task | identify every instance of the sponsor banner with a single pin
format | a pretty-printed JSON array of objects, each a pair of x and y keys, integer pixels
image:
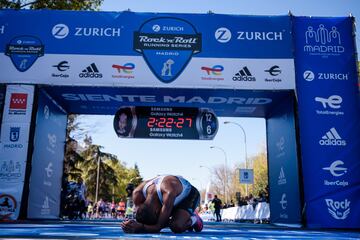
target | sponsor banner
[
  {"x": 10, "y": 202},
  {"x": 283, "y": 164},
  {"x": 156, "y": 49},
  {"x": 2, "y": 101},
  {"x": 47, "y": 160},
  {"x": 224, "y": 102},
  {"x": 132, "y": 71},
  {"x": 18, "y": 103},
  {"x": 326, "y": 81},
  {"x": 28, "y": 34},
  {"x": 14, "y": 141}
]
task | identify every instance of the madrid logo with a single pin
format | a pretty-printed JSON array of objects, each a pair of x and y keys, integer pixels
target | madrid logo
[
  {"x": 167, "y": 45},
  {"x": 24, "y": 51}
]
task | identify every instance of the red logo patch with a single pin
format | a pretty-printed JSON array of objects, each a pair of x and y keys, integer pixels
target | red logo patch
[{"x": 18, "y": 101}]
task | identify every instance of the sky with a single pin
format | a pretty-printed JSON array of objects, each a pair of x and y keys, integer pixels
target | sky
[{"x": 184, "y": 157}]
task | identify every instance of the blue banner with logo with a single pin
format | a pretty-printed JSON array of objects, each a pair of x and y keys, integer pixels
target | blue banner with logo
[
  {"x": 47, "y": 160},
  {"x": 129, "y": 33},
  {"x": 2, "y": 102},
  {"x": 283, "y": 164},
  {"x": 326, "y": 79},
  {"x": 146, "y": 49}
]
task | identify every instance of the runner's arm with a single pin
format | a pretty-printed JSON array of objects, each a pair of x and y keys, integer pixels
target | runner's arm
[{"x": 165, "y": 212}]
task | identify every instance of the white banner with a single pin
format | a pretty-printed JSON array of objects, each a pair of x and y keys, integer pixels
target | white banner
[
  {"x": 13, "y": 147},
  {"x": 132, "y": 71}
]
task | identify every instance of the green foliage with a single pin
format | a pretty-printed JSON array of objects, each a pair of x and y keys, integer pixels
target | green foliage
[
  {"x": 260, "y": 174},
  {"x": 83, "y": 161},
  {"x": 52, "y": 4},
  {"x": 94, "y": 159}
]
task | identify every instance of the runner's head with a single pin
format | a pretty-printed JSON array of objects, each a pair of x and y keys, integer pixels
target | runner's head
[{"x": 147, "y": 214}]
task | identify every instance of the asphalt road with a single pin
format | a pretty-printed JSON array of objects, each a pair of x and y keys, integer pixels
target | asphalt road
[{"x": 112, "y": 230}]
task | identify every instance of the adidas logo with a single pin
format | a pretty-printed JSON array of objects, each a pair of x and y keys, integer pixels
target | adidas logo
[
  {"x": 244, "y": 75},
  {"x": 332, "y": 138},
  {"x": 91, "y": 72},
  {"x": 282, "y": 178}
]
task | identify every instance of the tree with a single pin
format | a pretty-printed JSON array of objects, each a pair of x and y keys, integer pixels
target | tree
[
  {"x": 218, "y": 181},
  {"x": 99, "y": 176},
  {"x": 260, "y": 173},
  {"x": 52, "y": 4},
  {"x": 259, "y": 163},
  {"x": 71, "y": 157}
]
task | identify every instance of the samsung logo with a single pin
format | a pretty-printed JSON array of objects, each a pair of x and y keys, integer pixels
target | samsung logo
[
  {"x": 97, "y": 32},
  {"x": 260, "y": 36}
]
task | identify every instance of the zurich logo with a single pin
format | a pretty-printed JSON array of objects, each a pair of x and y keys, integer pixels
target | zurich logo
[
  {"x": 24, "y": 51},
  {"x": 309, "y": 75},
  {"x": 165, "y": 52},
  {"x": 222, "y": 35},
  {"x": 335, "y": 168},
  {"x": 156, "y": 28},
  {"x": 60, "y": 31}
]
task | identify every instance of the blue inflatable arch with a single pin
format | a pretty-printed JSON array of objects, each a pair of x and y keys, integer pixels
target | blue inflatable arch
[{"x": 299, "y": 73}]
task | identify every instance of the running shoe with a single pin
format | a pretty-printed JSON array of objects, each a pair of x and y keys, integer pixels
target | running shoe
[{"x": 198, "y": 226}]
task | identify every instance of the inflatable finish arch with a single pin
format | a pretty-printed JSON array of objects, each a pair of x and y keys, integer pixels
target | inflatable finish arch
[{"x": 297, "y": 72}]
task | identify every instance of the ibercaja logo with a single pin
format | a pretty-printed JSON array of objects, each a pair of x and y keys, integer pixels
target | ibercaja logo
[
  {"x": 24, "y": 51},
  {"x": 167, "y": 45},
  {"x": 7, "y": 206}
]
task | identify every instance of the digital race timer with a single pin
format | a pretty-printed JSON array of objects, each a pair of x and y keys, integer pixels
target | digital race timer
[{"x": 165, "y": 122}]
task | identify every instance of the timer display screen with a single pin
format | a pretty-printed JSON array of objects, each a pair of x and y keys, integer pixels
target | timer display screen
[{"x": 165, "y": 122}]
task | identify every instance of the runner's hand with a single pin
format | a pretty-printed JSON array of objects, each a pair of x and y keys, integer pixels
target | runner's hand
[{"x": 131, "y": 226}]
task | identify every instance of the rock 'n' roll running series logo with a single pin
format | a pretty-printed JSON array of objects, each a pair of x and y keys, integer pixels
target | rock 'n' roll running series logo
[
  {"x": 167, "y": 45},
  {"x": 24, "y": 51},
  {"x": 8, "y": 206}
]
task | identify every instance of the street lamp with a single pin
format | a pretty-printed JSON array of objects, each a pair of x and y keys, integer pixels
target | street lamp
[
  {"x": 246, "y": 158},
  {"x": 199, "y": 181},
  {"x": 202, "y": 166},
  {"x": 207, "y": 190},
  {"x": 225, "y": 180}
]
